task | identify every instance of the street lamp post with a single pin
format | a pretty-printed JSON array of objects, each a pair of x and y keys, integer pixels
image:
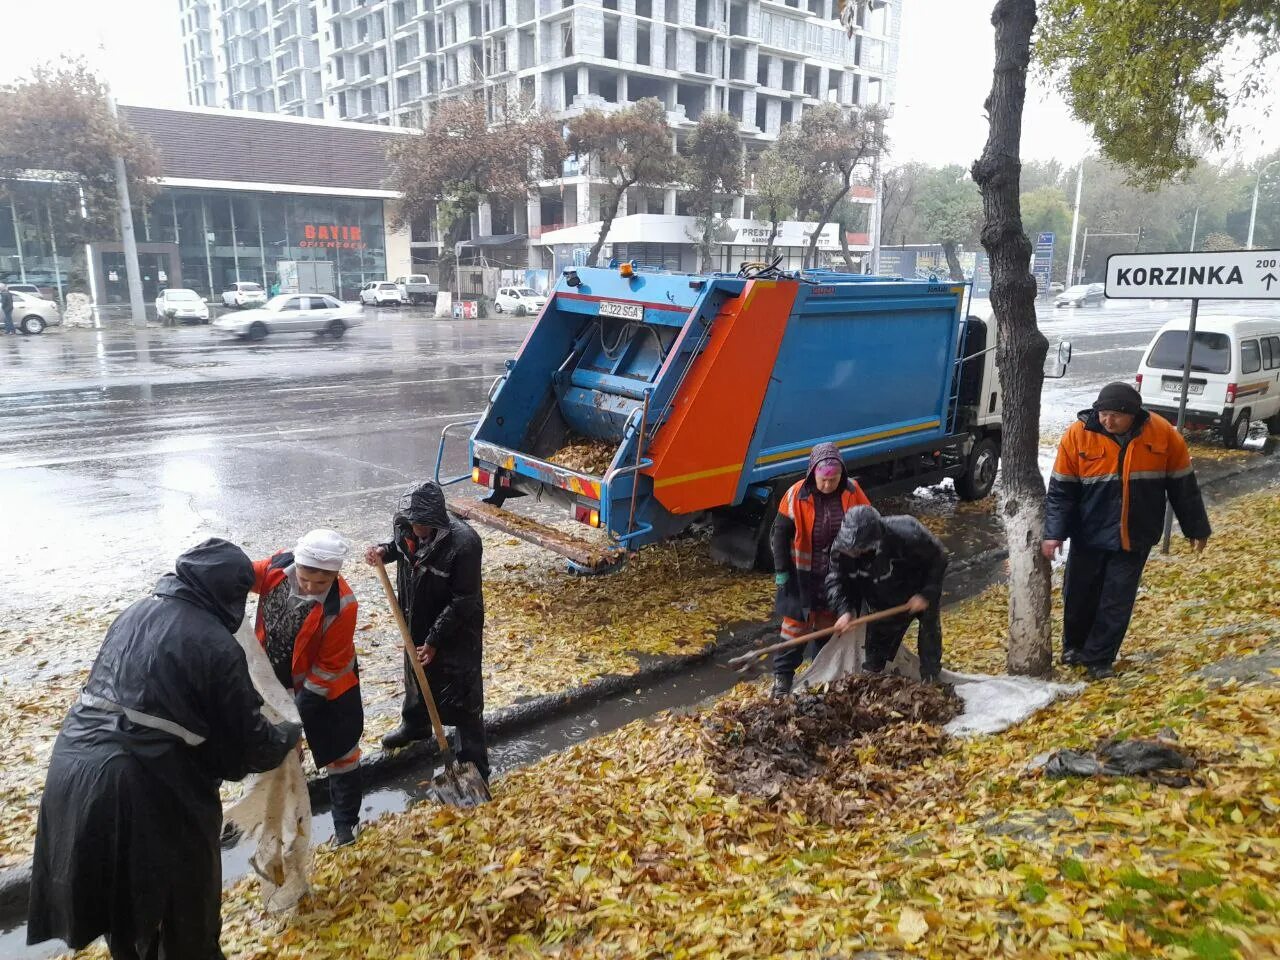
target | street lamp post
[{"x": 1253, "y": 212}]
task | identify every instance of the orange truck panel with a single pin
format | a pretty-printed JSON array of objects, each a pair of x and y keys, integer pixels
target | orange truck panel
[{"x": 698, "y": 453}]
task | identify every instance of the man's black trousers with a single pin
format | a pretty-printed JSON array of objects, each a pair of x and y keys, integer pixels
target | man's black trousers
[{"x": 1098, "y": 592}]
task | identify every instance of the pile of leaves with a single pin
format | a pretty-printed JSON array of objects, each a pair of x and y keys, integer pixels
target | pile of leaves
[
  {"x": 862, "y": 737},
  {"x": 587, "y": 456}
]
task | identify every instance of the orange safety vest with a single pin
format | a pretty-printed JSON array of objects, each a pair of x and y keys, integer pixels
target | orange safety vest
[
  {"x": 324, "y": 651},
  {"x": 800, "y": 511}
]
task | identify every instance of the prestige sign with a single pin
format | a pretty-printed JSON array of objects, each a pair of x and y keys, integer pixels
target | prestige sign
[{"x": 1224, "y": 275}]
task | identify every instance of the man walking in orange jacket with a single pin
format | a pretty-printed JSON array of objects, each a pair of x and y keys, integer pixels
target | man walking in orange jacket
[
  {"x": 1116, "y": 466},
  {"x": 306, "y": 623}
]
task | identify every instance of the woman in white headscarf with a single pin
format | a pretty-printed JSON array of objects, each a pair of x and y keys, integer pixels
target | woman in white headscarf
[{"x": 306, "y": 623}]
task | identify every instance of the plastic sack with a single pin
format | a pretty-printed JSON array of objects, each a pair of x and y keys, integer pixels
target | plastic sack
[{"x": 275, "y": 808}]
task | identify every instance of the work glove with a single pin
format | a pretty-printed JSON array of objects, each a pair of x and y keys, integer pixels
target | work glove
[
  {"x": 780, "y": 579},
  {"x": 292, "y": 733}
]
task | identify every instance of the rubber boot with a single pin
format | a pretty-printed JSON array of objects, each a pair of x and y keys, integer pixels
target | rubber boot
[
  {"x": 782, "y": 685},
  {"x": 404, "y": 735},
  {"x": 345, "y": 795}
]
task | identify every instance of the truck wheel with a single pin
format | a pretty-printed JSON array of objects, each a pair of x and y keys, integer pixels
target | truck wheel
[
  {"x": 980, "y": 471},
  {"x": 1235, "y": 434}
]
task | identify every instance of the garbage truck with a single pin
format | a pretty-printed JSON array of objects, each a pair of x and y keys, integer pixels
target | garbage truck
[{"x": 700, "y": 396}]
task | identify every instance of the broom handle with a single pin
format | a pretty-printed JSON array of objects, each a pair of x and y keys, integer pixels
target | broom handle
[
  {"x": 412, "y": 652},
  {"x": 819, "y": 634}
]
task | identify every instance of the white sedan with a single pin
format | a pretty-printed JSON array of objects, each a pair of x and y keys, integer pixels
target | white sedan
[
  {"x": 518, "y": 300},
  {"x": 244, "y": 294},
  {"x": 291, "y": 313},
  {"x": 378, "y": 293},
  {"x": 34, "y": 314},
  {"x": 178, "y": 305}
]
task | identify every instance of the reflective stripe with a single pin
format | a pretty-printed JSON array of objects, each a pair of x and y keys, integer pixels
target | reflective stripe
[
  {"x": 316, "y": 688},
  {"x": 1101, "y": 478},
  {"x": 1179, "y": 474},
  {"x": 1065, "y": 477},
  {"x": 326, "y": 675},
  {"x": 346, "y": 764},
  {"x": 143, "y": 719},
  {"x": 1149, "y": 474}
]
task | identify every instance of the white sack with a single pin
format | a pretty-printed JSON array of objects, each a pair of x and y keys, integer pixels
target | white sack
[{"x": 275, "y": 808}]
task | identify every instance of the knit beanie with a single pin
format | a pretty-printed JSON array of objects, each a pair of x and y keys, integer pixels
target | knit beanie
[{"x": 1120, "y": 398}]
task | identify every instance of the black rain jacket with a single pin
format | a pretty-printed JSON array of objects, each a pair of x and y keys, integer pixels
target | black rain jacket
[
  {"x": 128, "y": 836},
  {"x": 440, "y": 591},
  {"x": 908, "y": 559}
]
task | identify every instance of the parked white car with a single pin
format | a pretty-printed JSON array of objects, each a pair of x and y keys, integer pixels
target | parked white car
[
  {"x": 382, "y": 293},
  {"x": 34, "y": 314},
  {"x": 244, "y": 295},
  {"x": 180, "y": 304},
  {"x": 291, "y": 313},
  {"x": 518, "y": 300}
]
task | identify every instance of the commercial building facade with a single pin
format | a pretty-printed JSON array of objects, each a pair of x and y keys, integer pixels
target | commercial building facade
[
  {"x": 387, "y": 61},
  {"x": 239, "y": 194}
]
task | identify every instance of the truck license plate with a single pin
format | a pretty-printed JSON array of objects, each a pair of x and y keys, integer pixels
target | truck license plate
[
  {"x": 625, "y": 311},
  {"x": 1175, "y": 386}
]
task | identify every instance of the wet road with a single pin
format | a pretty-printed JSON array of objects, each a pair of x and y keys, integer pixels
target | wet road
[{"x": 120, "y": 448}]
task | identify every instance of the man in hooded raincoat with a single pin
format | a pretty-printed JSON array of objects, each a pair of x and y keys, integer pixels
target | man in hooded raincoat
[
  {"x": 438, "y": 584},
  {"x": 882, "y": 562},
  {"x": 809, "y": 517},
  {"x": 127, "y": 844}
]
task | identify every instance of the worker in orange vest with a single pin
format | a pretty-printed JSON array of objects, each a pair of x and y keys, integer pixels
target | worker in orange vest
[
  {"x": 306, "y": 624},
  {"x": 808, "y": 520}
]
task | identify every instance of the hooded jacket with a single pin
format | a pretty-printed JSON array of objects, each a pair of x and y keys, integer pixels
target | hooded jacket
[
  {"x": 792, "y": 536},
  {"x": 899, "y": 558},
  {"x": 439, "y": 588},
  {"x": 129, "y": 825},
  {"x": 1110, "y": 495}
]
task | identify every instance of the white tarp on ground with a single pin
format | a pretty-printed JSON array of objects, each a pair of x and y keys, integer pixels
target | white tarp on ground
[
  {"x": 275, "y": 809},
  {"x": 991, "y": 704}
]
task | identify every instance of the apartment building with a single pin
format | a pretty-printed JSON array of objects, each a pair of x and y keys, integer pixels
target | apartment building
[{"x": 387, "y": 61}]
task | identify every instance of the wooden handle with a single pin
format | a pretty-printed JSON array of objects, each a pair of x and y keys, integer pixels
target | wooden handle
[
  {"x": 436, "y": 726},
  {"x": 818, "y": 634}
]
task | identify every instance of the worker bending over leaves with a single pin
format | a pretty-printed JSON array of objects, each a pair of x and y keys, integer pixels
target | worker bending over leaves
[
  {"x": 307, "y": 625},
  {"x": 809, "y": 517},
  {"x": 881, "y": 562},
  {"x": 128, "y": 842},
  {"x": 437, "y": 559}
]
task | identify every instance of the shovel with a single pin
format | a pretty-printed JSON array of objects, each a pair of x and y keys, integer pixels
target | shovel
[
  {"x": 747, "y": 661},
  {"x": 460, "y": 785}
]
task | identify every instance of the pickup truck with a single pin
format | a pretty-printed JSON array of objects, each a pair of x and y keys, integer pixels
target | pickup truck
[{"x": 417, "y": 288}]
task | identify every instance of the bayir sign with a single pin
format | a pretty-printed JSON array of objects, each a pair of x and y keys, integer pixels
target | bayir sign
[{"x": 1225, "y": 275}]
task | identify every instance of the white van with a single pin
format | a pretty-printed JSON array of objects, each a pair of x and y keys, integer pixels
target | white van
[{"x": 1235, "y": 374}]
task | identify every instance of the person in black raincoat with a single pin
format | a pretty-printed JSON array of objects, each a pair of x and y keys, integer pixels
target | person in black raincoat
[
  {"x": 438, "y": 584},
  {"x": 884, "y": 562},
  {"x": 127, "y": 844}
]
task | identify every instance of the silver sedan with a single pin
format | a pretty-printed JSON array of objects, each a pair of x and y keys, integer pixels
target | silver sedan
[{"x": 291, "y": 313}]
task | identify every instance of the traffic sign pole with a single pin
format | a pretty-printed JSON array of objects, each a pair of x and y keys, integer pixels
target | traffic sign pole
[{"x": 1182, "y": 410}]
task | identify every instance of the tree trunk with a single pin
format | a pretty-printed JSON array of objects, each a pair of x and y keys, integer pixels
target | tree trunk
[
  {"x": 1022, "y": 348},
  {"x": 607, "y": 214},
  {"x": 811, "y": 254},
  {"x": 953, "y": 259},
  {"x": 704, "y": 244},
  {"x": 773, "y": 235},
  {"x": 448, "y": 251},
  {"x": 844, "y": 249}
]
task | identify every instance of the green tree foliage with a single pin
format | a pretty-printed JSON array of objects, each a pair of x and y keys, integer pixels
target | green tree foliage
[
  {"x": 1148, "y": 75},
  {"x": 1046, "y": 209},
  {"x": 713, "y": 169},
  {"x": 833, "y": 146},
  {"x": 462, "y": 159},
  {"x": 778, "y": 184},
  {"x": 57, "y": 127},
  {"x": 950, "y": 211},
  {"x": 629, "y": 148}
]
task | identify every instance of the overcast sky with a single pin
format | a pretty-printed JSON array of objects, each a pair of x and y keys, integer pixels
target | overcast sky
[{"x": 944, "y": 73}]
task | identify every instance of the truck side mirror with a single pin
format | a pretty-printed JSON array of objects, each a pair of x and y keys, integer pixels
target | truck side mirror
[{"x": 1060, "y": 363}]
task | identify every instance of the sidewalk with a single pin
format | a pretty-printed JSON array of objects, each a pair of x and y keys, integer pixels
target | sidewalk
[{"x": 627, "y": 846}]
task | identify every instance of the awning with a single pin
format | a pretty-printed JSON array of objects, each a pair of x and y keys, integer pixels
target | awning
[{"x": 497, "y": 240}]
